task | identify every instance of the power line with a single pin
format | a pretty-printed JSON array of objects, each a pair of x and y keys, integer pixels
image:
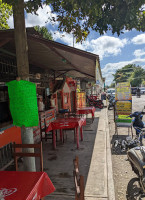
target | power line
[{"x": 127, "y": 69}]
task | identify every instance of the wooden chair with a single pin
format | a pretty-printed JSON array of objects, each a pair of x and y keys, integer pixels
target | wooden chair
[
  {"x": 79, "y": 181},
  {"x": 25, "y": 154},
  {"x": 6, "y": 156},
  {"x": 43, "y": 126}
]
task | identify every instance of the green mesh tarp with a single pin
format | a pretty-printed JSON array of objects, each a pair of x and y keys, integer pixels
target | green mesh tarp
[{"x": 23, "y": 103}]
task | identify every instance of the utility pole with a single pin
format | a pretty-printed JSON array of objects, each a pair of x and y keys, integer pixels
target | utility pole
[
  {"x": 73, "y": 40},
  {"x": 23, "y": 72}
]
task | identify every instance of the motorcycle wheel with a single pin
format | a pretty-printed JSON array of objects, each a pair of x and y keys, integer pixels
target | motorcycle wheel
[
  {"x": 133, "y": 190},
  {"x": 91, "y": 104},
  {"x": 100, "y": 106}
]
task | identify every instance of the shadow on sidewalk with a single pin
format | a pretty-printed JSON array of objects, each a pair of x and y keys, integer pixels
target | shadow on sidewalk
[{"x": 58, "y": 164}]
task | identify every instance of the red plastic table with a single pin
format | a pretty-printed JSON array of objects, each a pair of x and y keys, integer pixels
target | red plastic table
[
  {"x": 16, "y": 185},
  {"x": 67, "y": 123},
  {"x": 86, "y": 110}
]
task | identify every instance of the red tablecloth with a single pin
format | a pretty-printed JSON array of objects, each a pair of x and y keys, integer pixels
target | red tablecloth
[
  {"x": 86, "y": 110},
  {"x": 67, "y": 123},
  {"x": 16, "y": 185}
]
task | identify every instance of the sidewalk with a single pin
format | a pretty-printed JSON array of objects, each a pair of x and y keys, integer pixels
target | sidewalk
[
  {"x": 94, "y": 162},
  {"x": 100, "y": 185},
  {"x": 58, "y": 164}
]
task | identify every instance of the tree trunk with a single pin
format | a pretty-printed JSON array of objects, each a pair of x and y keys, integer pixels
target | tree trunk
[{"x": 23, "y": 71}]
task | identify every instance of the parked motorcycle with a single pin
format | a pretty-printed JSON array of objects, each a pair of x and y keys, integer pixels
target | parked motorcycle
[
  {"x": 136, "y": 157},
  {"x": 136, "y": 152},
  {"x": 93, "y": 101},
  {"x": 138, "y": 93},
  {"x": 111, "y": 102},
  {"x": 138, "y": 124},
  {"x": 129, "y": 142}
]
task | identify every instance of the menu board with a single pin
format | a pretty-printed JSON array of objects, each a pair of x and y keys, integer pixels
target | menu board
[
  {"x": 123, "y": 99},
  {"x": 123, "y": 107},
  {"x": 123, "y": 91}
]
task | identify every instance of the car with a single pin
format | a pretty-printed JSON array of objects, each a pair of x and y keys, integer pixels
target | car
[
  {"x": 142, "y": 90},
  {"x": 133, "y": 90},
  {"x": 110, "y": 92}
]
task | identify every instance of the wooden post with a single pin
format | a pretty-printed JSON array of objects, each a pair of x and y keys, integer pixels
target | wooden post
[{"x": 23, "y": 71}]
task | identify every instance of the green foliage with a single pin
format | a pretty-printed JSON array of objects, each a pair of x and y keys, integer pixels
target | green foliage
[
  {"x": 112, "y": 85},
  {"x": 123, "y": 74},
  {"x": 100, "y": 15},
  {"x": 5, "y": 13},
  {"x": 44, "y": 32},
  {"x": 132, "y": 73},
  {"x": 137, "y": 77},
  {"x": 143, "y": 83}
]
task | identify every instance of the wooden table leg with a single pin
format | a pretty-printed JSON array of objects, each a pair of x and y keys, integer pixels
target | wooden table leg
[
  {"x": 81, "y": 133},
  {"x": 92, "y": 118},
  {"x": 77, "y": 133},
  {"x": 74, "y": 135},
  {"x": 93, "y": 115},
  {"x": 54, "y": 139}
]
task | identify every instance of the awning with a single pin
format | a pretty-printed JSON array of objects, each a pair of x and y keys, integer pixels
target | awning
[{"x": 50, "y": 55}]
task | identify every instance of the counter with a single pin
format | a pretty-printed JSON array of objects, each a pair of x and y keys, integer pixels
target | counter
[{"x": 11, "y": 133}]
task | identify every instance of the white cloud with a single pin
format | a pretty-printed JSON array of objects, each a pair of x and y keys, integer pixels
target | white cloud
[
  {"x": 10, "y": 22},
  {"x": 111, "y": 68},
  {"x": 42, "y": 19},
  {"x": 139, "y": 39},
  {"x": 139, "y": 53},
  {"x": 103, "y": 46},
  {"x": 106, "y": 46},
  {"x": 143, "y": 7},
  {"x": 68, "y": 38}
]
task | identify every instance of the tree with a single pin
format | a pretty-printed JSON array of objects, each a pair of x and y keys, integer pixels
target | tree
[
  {"x": 112, "y": 85},
  {"x": 132, "y": 73},
  {"x": 143, "y": 83},
  {"x": 5, "y": 13},
  {"x": 44, "y": 32},
  {"x": 124, "y": 73},
  {"x": 137, "y": 76},
  {"x": 23, "y": 71},
  {"x": 77, "y": 16},
  {"x": 80, "y": 16}
]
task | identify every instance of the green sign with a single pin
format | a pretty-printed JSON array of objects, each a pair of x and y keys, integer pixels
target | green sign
[{"x": 23, "y": 103}]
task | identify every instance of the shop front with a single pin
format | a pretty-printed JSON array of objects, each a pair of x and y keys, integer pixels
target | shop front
[
  {"x": 10, "y": 133},
  {"x": 54, "y": 68},
  {"x": 64, "y": 95}
]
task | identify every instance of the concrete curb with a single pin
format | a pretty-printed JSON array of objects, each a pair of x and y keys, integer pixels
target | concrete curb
[
  {"x": 100, "y": 184},
  {"x": 111, "y": 190}
]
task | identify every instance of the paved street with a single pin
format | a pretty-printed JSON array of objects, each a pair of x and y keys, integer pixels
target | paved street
[{"x": 124, "y": 182}]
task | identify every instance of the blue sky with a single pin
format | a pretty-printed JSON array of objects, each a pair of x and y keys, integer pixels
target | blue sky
[{"x": 114, "y": 52}]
